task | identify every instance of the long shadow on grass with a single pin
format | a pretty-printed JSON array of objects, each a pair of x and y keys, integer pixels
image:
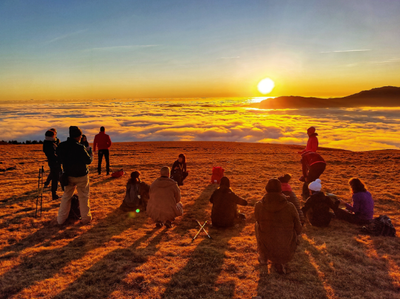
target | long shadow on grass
[
  {"x": 46, "y": 263},
  {"x": 198, "y": 278},
  {"x": 101, "y": 279},
  {"x": 28, "y": 195}
]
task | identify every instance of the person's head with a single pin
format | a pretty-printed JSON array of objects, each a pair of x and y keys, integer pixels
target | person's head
[
  {"x": 225, "y": 182},
  {"x": 54, "y": 130},
  {"x": 84, "y": 139},
  {"x": 273, "y": 185},
  {"x": 102, "y": 129},
  {"x": 165, "y": 171},
  {"x": 182, "y": 158},
  {"x": 315, "y": 186},
  {"x": 310, "y": 131},
  {"x": 135, "y": 176},
  {"x": 357, "y": 185},
  {"x": 75, "y": 133},
  {"x": 285, "y": 178},
  {"x": 49, "y": 134}
]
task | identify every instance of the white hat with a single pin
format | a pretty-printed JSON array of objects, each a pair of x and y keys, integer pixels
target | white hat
[{"x": 315, "y": 186}]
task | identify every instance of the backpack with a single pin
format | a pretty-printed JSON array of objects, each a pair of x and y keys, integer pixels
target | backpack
[
  {"x": 380, "y": 226},
  {"x": 74, "y": 212},
  {"x": 118, "y": 173},
  {"x": 217, "y": 174}
]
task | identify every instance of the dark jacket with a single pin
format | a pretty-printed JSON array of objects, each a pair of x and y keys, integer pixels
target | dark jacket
[
  {"x": 224, "y": 209},
  {"x": 277, "y": 228},
  {"x": 74, "y": 158},
  {"x": 310, "y": 158},
  {"x": 49, "y": 149},
  {"x": 136, "y": 196},
  {"x": 316, "y": 209},
  {"x": 180, "y": 166}
]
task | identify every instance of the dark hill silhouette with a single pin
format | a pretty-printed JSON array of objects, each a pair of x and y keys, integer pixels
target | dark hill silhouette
[{"x": 387, "y": 96}]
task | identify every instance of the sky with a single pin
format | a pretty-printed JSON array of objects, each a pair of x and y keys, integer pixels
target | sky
[{"x": 53, "y": 50}]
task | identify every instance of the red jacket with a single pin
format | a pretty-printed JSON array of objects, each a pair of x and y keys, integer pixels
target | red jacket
[
  {"x": 312, "y": 144},
  {"x": 102, "y": 141}
]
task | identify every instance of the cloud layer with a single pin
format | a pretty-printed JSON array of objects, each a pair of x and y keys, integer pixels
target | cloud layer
[{"x": 204, "y": 120}]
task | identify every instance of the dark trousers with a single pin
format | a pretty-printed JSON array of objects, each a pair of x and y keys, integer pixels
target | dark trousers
[
  {"x": 349, "y": 217},
  {"x": 314, "y": 173},
  {"x": 106, "y": 155},
  {"x": 54, "y": 177}
]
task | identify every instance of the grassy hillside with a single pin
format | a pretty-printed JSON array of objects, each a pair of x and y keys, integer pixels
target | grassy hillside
[{"x": 122, "y": 255}]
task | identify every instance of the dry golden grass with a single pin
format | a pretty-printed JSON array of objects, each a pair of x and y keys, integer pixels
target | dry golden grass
[{"x": 121, "y": 255}]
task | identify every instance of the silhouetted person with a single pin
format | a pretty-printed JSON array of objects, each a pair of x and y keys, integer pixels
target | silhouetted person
[
  {"x": 50, "y": 150},
  {"x": 224, "y": 211},
  {"x": 277, "y": 227},
  {"x": 57, "y": 142},
  {"x": 362, "y": 209},
  {"x": 317, "y": 206},
  {"x": 179, "y": 172},
  {"x": 312, "y": 143},
  {"x": 75, "y": 160},
  {"x": 85, "y": 142},
  {"x": 291, "y": 196},
  {"x": 313, "y": 166},
  {"x": 136, "y": 195},
  {"x": 164, "y": 203},
  {"x": 103, "y": 142}
]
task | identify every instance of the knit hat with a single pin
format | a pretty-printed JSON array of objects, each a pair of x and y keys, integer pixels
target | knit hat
[
  {"x": 285, "y": 179},
  {"x": 315, "y": 186},
  {"x": 74, "y": 132},
  {"x": 273, "y": 185},
  {"x": 49, "y": 134}
]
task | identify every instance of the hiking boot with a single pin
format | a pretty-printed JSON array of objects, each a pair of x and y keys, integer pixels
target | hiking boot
[
  {"x": 55, "y": 196},
  {"x": 168, "y": 224},
  {"x": 46, "y": 185},
  {"x": 159, "y": 224}
]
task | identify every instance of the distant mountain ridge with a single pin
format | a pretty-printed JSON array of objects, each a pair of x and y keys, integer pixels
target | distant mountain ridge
[{"x": 387, "y": 96}]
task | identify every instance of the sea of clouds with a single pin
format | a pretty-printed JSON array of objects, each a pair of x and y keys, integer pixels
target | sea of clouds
[{"x": 208, "y": 119}]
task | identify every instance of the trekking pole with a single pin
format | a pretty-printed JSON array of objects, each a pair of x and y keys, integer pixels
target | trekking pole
[
  {"x": 202, "y": 227},
  {"x": 40, "y": 193}
]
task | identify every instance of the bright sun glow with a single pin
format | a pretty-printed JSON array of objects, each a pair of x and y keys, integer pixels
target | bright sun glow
[{"x": 266, "y": 86}]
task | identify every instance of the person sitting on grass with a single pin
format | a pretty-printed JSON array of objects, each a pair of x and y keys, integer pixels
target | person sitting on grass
[
  {"x": 277, "y": 227},
  {"x": 224, "y": 211},
  {"x": 179, "y": 172},
  {"x": 137, "y": 194},
  {"x": 362, "y": 210},
  {"x": 164, "y": 203},
  {"x": 317, "y": 206},
  {"x": 291, "y": 196}
]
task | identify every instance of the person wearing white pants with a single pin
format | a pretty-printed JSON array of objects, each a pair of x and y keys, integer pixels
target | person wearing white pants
[{"x": 75, "y": 160}]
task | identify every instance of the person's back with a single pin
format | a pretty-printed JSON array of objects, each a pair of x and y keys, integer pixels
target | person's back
[
  {"x": 102, "y": 141},
  {"x": 310, "y": 158},
  {"x": 224, "y": 210},
  {"x": 164, "y": 196},
  {"x": 74, "y": 158},
  {"x": 291, "y": 196},
  {"x": 363, "y": 205},
  {"x": 278, "y": 225},
  {"x": 49, "y": 149},
  {"x": 316, "y": 209}
]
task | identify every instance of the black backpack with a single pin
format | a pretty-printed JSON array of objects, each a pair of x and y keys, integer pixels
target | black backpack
[
  {"x": 380, "y": 226},
  {"x": 74, "y": 212}
]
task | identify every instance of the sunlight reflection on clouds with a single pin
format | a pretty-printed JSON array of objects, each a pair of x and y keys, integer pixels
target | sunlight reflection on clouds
[{"x": 204, "y": 120}]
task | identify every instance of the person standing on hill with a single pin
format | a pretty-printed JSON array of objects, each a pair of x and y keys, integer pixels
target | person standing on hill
[
  {"x": 312, "y": 143},
  {"x": 50, "y": 150},
  {"x": 313, "y": 166},
  {"x": 224, "y": 211},
  {"x": 103, "y": 142},
  {"x": 75, "y": 160},
  {"x": 277, "y": 227},
  {"x": 179, "y": 172},
  {"x": 56, "y": 142},
  {"x": 165, "y": 200}
]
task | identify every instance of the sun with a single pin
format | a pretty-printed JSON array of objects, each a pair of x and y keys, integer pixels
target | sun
[{"x": 266, "y": 86}]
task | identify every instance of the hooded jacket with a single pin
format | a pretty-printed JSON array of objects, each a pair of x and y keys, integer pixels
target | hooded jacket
[
  {"x": 101, "y": 141},
  {"x": 164, "y": 195},
  {"x": 316, "y": 209},
  {"x": 277, "y": 227},
  {"x": 74, "y": 158},
  {"x": 50, "y": 150},
  {"x": 224, "y": 209}
]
